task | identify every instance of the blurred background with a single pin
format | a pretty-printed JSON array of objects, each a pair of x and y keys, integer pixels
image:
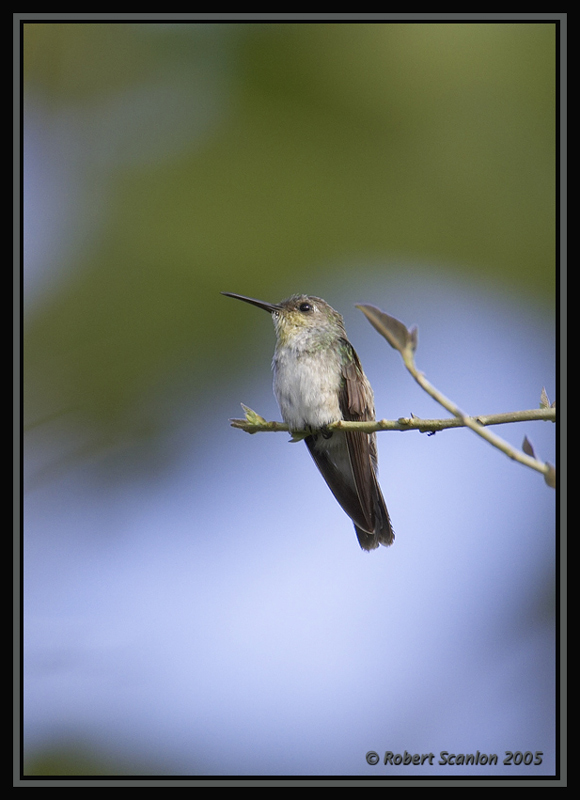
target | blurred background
[{"x": 195, "y": 601}]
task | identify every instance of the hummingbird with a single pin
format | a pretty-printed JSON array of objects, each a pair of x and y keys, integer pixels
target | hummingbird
[{"x": 318, "y": 380}]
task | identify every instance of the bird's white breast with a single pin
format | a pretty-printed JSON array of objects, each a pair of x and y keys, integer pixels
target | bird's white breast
[{"x": 307, "y": 387}]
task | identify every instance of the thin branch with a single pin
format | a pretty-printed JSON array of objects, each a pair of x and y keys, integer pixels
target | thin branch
[
  {"x": 405, "y": 341},
  {"x": 254, "y": 423}
]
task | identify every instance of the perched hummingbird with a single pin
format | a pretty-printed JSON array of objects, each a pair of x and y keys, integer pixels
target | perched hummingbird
[{"x": 318, "y": 379}]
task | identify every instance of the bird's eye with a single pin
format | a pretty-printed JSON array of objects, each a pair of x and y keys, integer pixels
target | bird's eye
[{"x": 306, "y": 307}]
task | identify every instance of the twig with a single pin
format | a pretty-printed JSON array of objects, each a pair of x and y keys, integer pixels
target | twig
[
  {"x": 254, "y": 423},
  {"x": 405, "y": 341}
]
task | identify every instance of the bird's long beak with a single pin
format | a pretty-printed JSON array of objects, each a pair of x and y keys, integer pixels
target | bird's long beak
[{"x": 271, "y": 307}]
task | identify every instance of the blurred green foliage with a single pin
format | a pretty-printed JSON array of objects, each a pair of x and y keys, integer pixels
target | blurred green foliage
[
  {"x": 85, "y": 759},
  {"x": 326, "y": 144}
]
